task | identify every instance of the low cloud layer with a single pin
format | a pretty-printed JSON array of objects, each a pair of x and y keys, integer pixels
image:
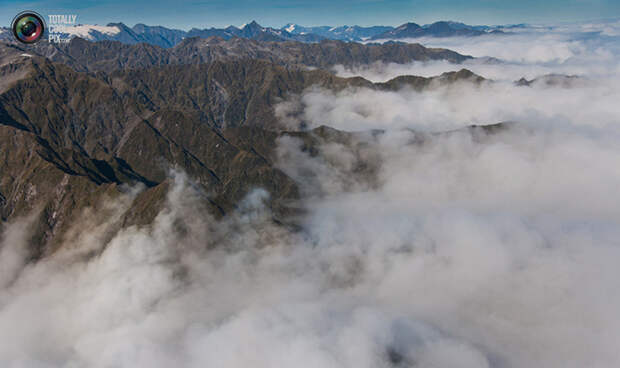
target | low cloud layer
[
  {"x": 592, "y": 104},
  {"x": 466, "y": 250},
  {"x": 590, "y": 49}
]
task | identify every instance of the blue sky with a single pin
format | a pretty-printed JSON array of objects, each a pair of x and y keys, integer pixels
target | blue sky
[{"x": 217, "y": 13}]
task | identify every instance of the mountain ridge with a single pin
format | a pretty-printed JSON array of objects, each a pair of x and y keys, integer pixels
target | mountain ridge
[
  {"x": 107, "y": 56},
  {"x": 437, "y": 29},
  {"x": 169, "y": 37}
]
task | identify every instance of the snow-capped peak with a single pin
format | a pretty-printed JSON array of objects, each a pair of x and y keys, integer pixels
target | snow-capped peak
[
  {"x": 290, "y": 28},
  {"x": 85, "y": 30}
]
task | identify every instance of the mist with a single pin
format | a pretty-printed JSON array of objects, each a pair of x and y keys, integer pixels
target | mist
[{"x": 466, "y": 249}]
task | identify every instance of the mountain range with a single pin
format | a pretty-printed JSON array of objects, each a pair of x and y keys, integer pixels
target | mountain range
[
  {"x": 108, "y": 56},
  {"x": 83, "y": 122},
  {"x": 437, "y": 29},
  {"x": 166, "y": 37}
]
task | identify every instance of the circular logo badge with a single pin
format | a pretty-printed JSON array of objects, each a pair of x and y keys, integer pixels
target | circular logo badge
[{"x": 28, "y": 27}]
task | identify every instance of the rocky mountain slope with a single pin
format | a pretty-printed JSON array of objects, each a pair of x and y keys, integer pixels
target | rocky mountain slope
[{"x": 73, "y": 134}]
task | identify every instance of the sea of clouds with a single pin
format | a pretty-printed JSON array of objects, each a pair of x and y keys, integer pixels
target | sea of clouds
[{"x": 466, "y": 249}]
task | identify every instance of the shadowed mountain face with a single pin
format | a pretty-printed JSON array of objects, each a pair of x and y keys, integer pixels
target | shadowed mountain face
[{"x": 70, "y": 138}]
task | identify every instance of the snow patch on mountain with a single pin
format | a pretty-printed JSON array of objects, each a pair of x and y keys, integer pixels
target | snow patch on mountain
[{"x": 85, "y": 30}]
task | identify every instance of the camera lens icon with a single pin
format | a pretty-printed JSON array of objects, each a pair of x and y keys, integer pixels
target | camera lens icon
[{"x": 28, "y": 27}]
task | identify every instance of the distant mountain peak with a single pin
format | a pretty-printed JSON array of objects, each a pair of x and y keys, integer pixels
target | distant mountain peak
[
  {"x": 253, "y": 25},
  {"x": 409, "y": 25}
]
